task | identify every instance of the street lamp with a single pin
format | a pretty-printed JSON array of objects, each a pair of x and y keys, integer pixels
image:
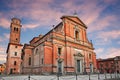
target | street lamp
[
  {"x": 84, "y": 67},
  {"x": 59, "y": 60},
  {"x": 115, "y": 59}
]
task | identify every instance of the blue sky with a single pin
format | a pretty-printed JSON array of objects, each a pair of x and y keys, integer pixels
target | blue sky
[{"x": 102, "y": 18}]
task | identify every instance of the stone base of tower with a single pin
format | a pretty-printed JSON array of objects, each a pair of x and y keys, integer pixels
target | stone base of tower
[
  {"x": 14, "y": 59},
  {"x": 12, "y": 67}
]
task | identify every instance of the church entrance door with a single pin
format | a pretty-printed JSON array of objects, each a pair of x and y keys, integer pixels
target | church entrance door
[
  {"x": 60, "y": 67},
  {"x": 79, "y": 67}
]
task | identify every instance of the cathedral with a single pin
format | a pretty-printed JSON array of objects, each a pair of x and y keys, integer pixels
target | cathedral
[{"x": 65, "y": 50}]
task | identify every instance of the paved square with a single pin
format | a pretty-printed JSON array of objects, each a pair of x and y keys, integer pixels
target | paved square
[{"x": 54, "y": 77}]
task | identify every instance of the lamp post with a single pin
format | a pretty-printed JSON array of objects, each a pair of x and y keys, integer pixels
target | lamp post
[
  {"x": 60, "y": 60},
  {"x": 115, "y": 66},
  {"x": 84, "y": 67},
  {"x": 58, "y": 65},
  {"x": 98, "y": 74}
]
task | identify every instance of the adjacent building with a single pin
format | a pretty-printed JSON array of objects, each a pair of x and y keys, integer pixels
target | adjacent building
[
  {"x": 2, "y": 68},
  {"x": 65, "y": 49},
  {"x": 13, "y": 64},
  {"x": 109, "y": 65}
]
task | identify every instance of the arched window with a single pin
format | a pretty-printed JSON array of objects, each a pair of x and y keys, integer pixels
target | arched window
[
  {"x": 42, "y": 61},
  {"x": 16, "y": 39},
  {"x": 77, "y": 35},
  {"x": 16, "y": 29},
  {"x": 15, "y": 62},
  {"x": 29, "y": 62},
  {"x": 15, "y": 53},
  {"x": 90, "y": 56},
  {"x": 59, "y": 51}
]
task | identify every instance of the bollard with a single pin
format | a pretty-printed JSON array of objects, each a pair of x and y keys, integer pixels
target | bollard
[
  {"x": 111, "y": 75},
  {"x": 29, "y": 77},
  {"x": 105, "y": 76},
  {"x": 98, "y": 76},
  {"x": 89, "y": 76},
  {"x": 115, "y": 75},
  {"x": 58, "y": 76},
  {"x": 118, "y": 76},
  {"x": 76, "y": 76}
]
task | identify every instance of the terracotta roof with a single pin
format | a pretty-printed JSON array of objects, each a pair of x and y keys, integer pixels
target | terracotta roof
[
  {"x": 50, "y": 31},
  {"x": 108, "y": 59}
]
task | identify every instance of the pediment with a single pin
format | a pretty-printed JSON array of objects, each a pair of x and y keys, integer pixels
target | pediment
[{"x": 75, "y": 19}]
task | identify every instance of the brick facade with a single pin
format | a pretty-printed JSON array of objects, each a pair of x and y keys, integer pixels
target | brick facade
[
  {"x": 109, "y": 65},
  {"x": 2, "y": 68},
  {"x": 64, "y": 49}
]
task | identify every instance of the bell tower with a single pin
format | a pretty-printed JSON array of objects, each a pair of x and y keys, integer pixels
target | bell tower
[
  {"x": 14, "y": 49},
  {"x": 15, "y": 29}
]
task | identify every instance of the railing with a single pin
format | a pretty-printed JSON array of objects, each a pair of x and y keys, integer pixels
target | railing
[{"x": 63, "y": 77}]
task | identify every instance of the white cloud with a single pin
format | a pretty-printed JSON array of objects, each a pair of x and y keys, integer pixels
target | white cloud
[
  {"x": 106, "y": 37},
  {"x": 99, "y": 50},
  {"x": 89, "y": 12},
  {"x": 4, "y": 37},
  {"x": 4, "y": 23},
  {"x": 7, "y": 36},
  {"x": 102, "y": 23},
  {"x": 2, "y": 50},
  {"x": 46, "y": 12},
  {"x": 108, "y": 53},
  {"x": 112, "y": 52},
  {"x": 1, "y": 39},
  {"x": 102, "y": 41},
  {"x": 30, "y": 26},
  {"x": 43, "y": 13},
  {"x": 109, "y": 35},
  {"x": 110, "y": 1},
  {"x": 2, "y": 58},
  {"x": 2, "y": 54},
  {"x": 118, "y": 42}
]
